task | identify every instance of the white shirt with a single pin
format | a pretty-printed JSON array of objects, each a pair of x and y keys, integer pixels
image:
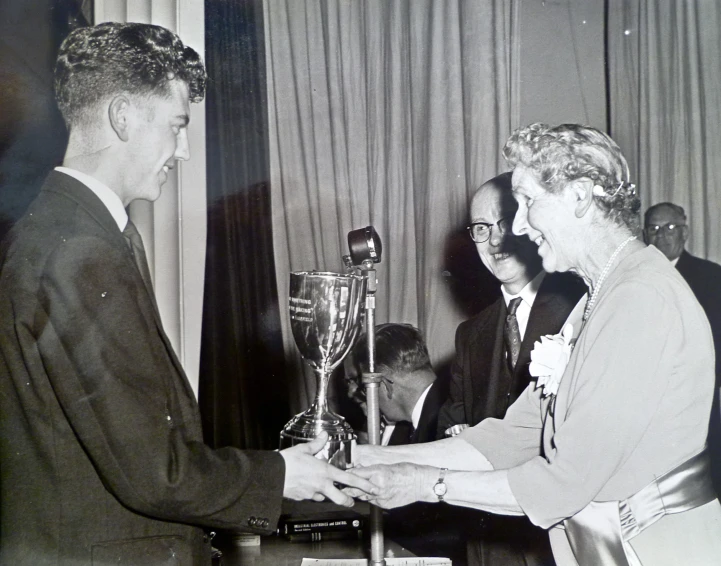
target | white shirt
[
  {"x": 418, "y": 408},
  {"x": 528, "y": 295},
  {"x": 111, "y": 200},
  {"x": 387, "y": 432}
]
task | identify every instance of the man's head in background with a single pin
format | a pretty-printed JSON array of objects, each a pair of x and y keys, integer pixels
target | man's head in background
[
  {"x": 124, "y": 91},
  {"x": 665, "y": 227},
  {"x": 512, "y": 259},
  {"x": 401, "y": 356}
]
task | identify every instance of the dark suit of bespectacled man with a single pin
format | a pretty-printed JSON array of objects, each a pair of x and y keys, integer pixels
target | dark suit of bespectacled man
[
  {"x": 102, "y": 459},
  {"x": 485, "y": 378},
  {"x": 666, "y": 227}
]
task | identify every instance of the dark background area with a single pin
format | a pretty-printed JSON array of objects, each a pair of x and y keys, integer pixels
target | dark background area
[{"x": 32, "y": 133}]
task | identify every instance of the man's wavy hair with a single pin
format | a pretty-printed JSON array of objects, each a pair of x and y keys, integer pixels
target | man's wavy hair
[
  {"x": 568, "y": 152},
  {"x": 399, "y": 348},
  {"x": 99, "y": 62}
]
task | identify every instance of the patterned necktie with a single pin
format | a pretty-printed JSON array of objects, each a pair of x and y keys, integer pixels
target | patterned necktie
[
  {"x": 512, "y": 333},
  {"x": 132, "y": 236}
]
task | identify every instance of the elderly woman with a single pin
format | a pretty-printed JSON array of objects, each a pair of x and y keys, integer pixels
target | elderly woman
[{"x": 608, "y": 446}]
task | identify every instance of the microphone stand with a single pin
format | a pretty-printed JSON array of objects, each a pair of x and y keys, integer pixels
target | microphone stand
[{"x": 371, "y": 381}]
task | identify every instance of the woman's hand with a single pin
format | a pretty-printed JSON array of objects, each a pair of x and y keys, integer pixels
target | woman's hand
[
  {"x": 396, "y": 485},
  {"x": 368, "y": 455}
]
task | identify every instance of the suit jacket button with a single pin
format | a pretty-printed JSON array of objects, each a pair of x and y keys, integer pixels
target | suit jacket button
[{"x": 251, "y": 521}]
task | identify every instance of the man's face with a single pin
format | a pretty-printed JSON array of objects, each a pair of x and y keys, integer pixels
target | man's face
[
  {"x": 159, "y": 138},
  {"x": 389, "y": 401},
  {"x": 667, "y": 230},
  {"x": 511, "y": 259}
]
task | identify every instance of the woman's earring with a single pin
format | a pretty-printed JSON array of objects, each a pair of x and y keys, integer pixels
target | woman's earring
[{"x": 598, "y": 191}]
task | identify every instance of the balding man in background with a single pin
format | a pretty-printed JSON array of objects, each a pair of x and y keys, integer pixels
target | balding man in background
[{"x": 666, "y": 227}]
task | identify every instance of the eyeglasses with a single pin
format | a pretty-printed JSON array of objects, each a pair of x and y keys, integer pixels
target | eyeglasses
[
  {"x": 666, "y": 229},
  {"x": 481, "y": 231}
]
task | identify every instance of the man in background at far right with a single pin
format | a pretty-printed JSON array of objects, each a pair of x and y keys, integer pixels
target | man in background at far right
[{"x": 666, "y": 227}]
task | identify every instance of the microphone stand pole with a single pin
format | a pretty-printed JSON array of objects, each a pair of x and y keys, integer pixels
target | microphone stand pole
[{"x": 372, "y": 380}]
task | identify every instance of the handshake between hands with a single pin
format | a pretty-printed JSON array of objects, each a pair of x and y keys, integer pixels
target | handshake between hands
[{"x": 371, "y": 479}]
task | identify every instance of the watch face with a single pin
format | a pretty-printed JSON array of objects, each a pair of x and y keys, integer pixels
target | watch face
[{"x": 440, "y": 489}]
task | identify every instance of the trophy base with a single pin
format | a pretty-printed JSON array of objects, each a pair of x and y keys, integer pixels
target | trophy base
[{"x": 306, "y": 426}]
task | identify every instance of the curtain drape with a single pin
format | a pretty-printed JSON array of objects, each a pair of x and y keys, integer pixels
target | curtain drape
[
  {"x": 243, "y": 396},
  {"x": 665, "y": 106},
  {"x": 390, "y": 114}
]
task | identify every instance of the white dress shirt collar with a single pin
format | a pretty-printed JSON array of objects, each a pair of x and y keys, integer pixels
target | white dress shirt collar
[
  {"x": 111, "y": 201},
  {"x": 418, "y": 409}
]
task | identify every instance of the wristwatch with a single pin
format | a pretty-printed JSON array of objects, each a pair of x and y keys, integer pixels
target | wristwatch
[{"x": 440, "y": 488}]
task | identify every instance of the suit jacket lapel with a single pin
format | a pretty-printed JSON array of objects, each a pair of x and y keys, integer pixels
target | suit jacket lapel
[
  {"x": 75, "y": 190},
  {"x": 550, "y": 310},
  {"x": 428, "y": 421},
  {"x": 485, "y": 353},
  {"x": 683, "y": 264}
]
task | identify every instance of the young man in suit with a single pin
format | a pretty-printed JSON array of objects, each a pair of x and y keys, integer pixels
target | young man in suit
[
  {"x": 101, "y": 450},
  {"x": 666, "y": 227},
  {"x": 490, "y": 368}
]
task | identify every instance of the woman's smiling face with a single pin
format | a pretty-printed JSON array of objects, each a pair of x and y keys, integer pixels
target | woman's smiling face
[{"x": 546, "y": 218}]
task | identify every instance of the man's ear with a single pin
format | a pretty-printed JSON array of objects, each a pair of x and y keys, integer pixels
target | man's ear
[
  {"x": 118, "y": 114},
  {"x": 684, "y": 232},
  {"x": 582, "y": 192},
  {"x": 389, "y": 388}
]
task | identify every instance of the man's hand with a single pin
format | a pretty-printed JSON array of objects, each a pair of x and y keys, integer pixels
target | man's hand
[
  {"x": 306, "y": 477},
  {"x": 398, "y": 485}
]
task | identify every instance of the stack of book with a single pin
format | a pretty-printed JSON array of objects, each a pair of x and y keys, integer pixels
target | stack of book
[{"x": 328, "y": 525}]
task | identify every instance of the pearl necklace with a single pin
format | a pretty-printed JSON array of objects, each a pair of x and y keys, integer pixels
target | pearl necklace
[{"x": 602, "y": 278}]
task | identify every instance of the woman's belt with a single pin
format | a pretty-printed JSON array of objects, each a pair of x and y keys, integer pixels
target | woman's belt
[{"x": 599, "y": 533}]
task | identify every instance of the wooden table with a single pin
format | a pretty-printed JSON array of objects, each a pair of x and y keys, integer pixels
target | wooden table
[{"x": 275, "y": 550}]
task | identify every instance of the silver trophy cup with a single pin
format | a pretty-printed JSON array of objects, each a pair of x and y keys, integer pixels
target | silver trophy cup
[{"x": 325, "y": 317}]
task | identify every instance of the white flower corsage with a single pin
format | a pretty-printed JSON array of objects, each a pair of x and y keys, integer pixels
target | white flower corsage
[{"x": 549, "y": 359}]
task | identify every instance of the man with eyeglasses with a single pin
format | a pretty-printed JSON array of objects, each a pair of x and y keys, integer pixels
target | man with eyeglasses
[
  {"x": 493, "y": 350},
  {"x": 409, "y": 399},
  {"x": 666, "y": 227}
]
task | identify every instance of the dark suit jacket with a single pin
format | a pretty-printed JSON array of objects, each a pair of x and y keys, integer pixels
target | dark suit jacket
[
  {"x": 482, "y": 385},
  {"x": 704, "y": 278},
  {"x": 102, "y": 458},
  {"x": 428, "y": 422}
]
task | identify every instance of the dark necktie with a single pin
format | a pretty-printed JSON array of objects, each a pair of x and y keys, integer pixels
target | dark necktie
[
  {"x": 132, "y": 236},
  {"x": 402, "y": 434},
  {"x": 512, "y": 333}
]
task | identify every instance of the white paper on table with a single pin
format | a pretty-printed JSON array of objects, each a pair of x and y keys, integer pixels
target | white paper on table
[{"x": 395, "y": 561}]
